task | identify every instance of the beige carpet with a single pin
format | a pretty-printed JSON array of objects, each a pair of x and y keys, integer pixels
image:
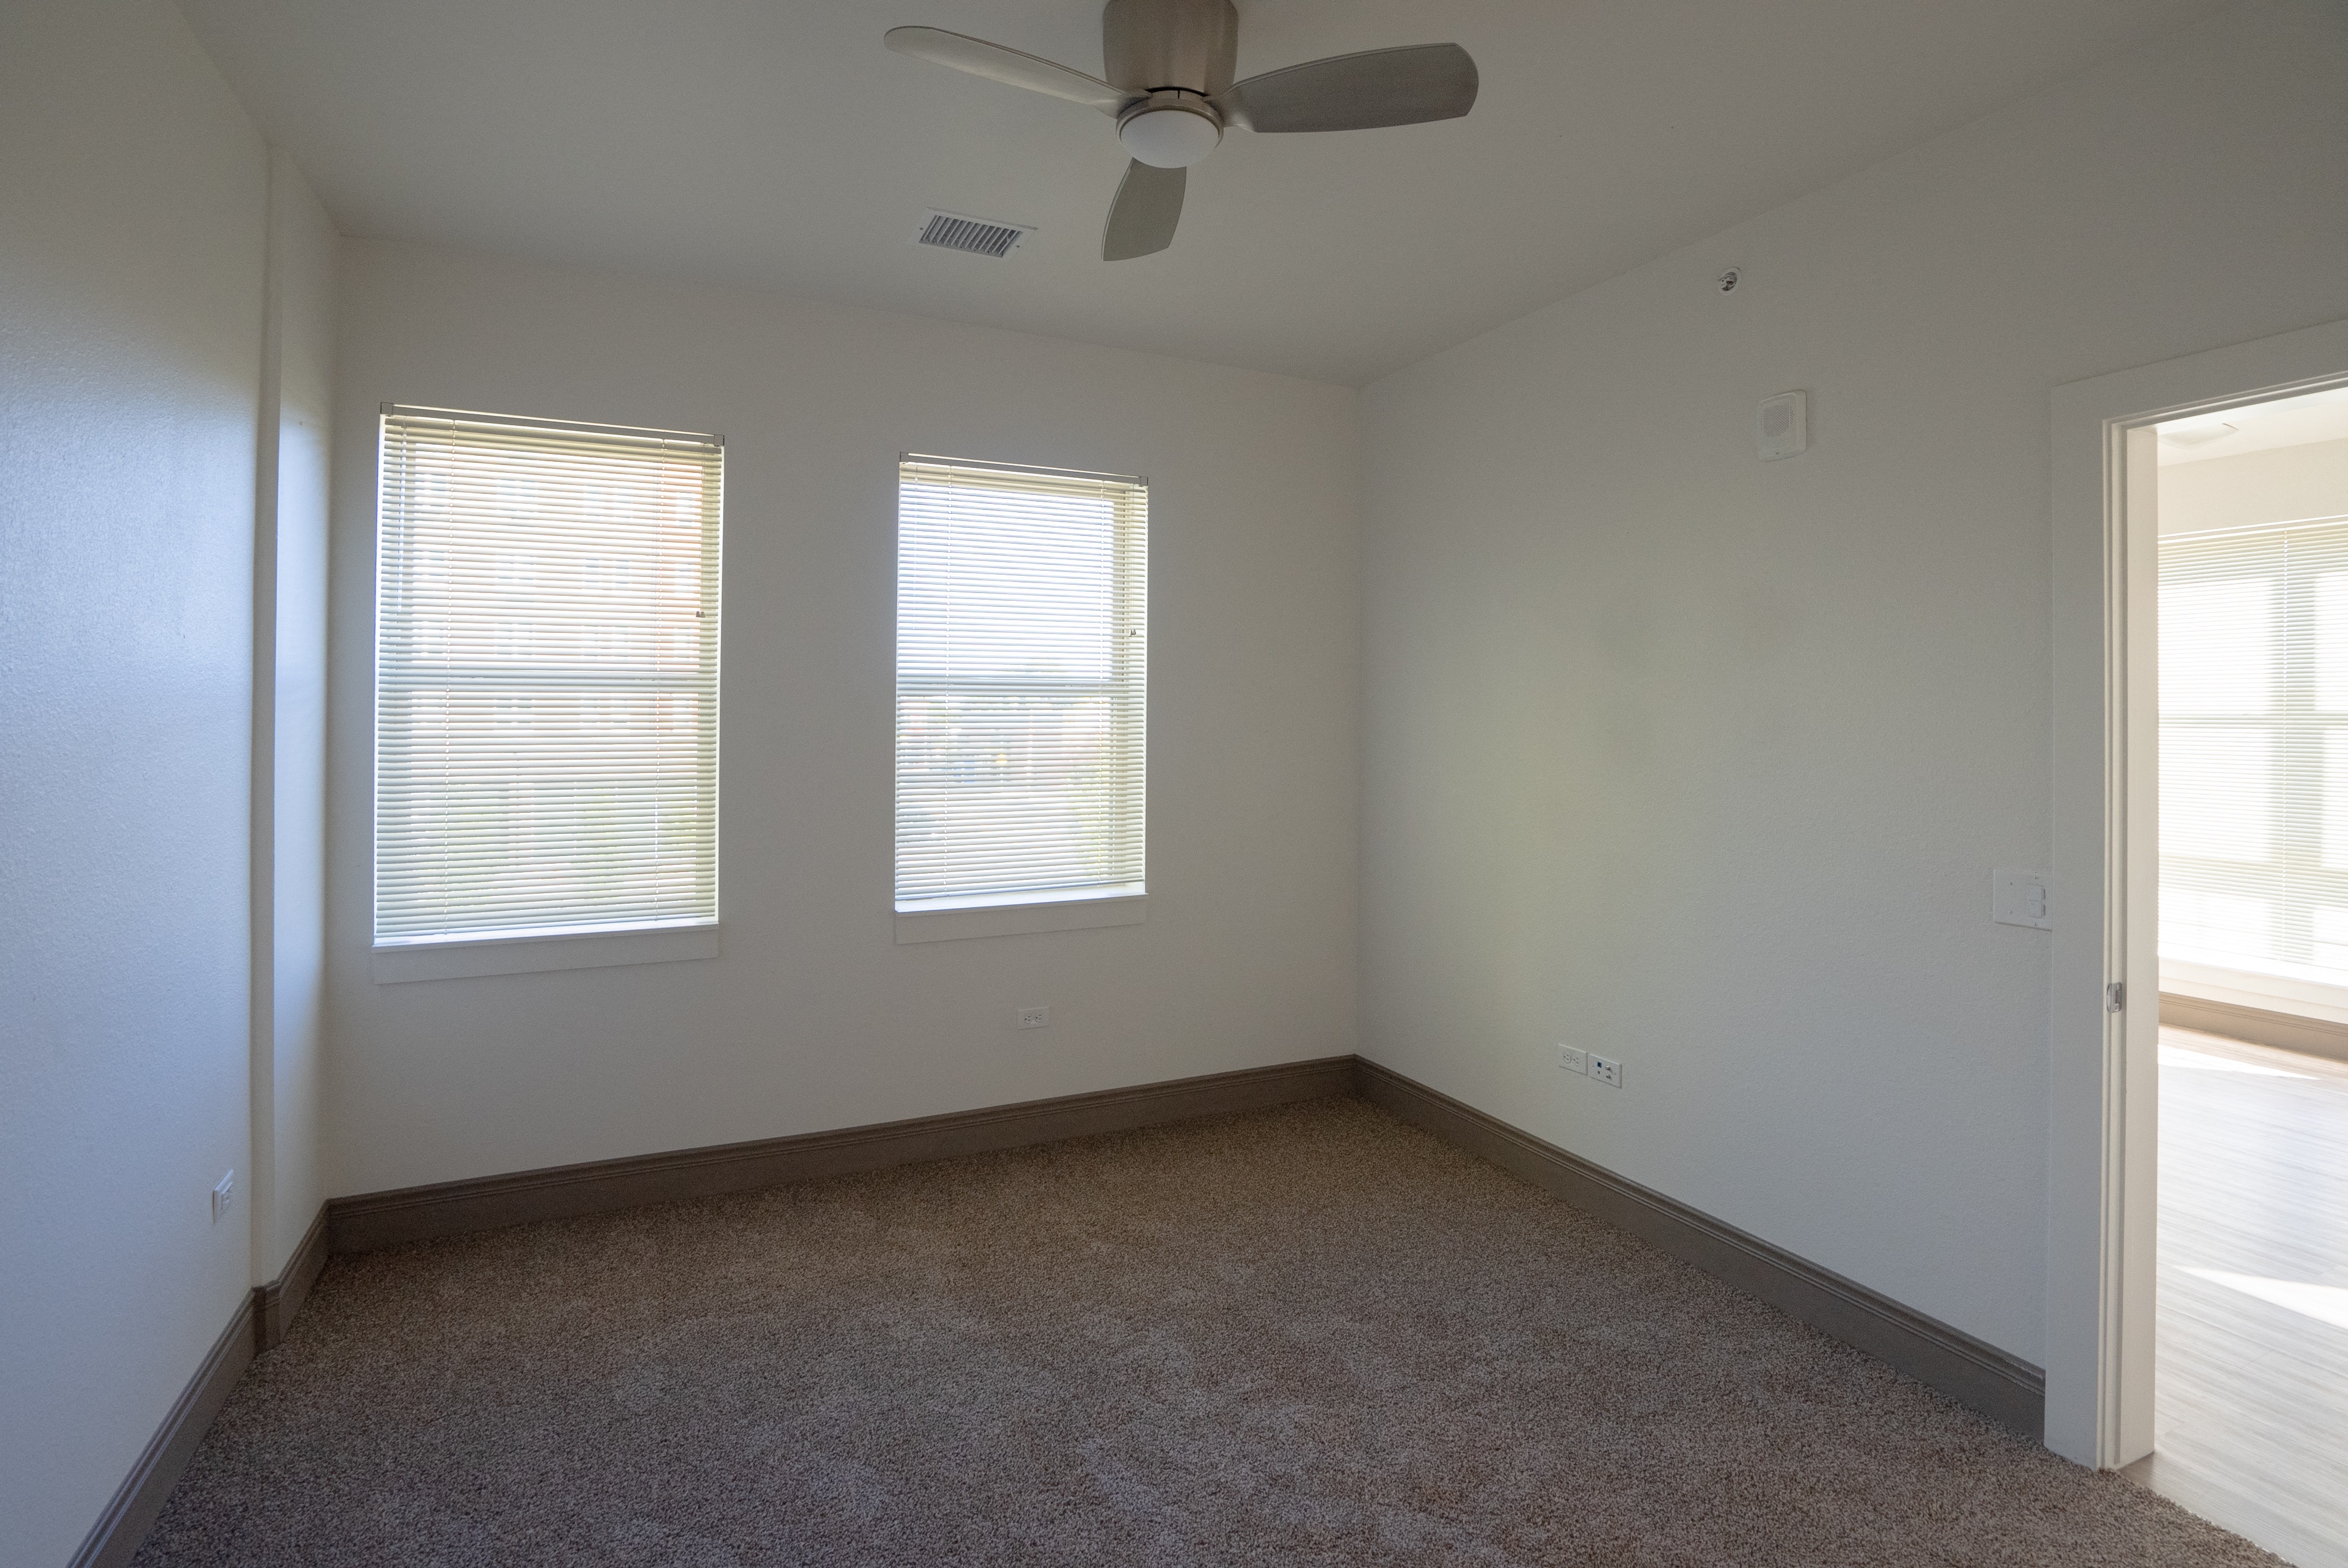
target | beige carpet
[{"x": 1309, "y": 1335}]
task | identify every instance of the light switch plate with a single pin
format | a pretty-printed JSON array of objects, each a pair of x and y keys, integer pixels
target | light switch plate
[{"x": 2019, "y": 898}]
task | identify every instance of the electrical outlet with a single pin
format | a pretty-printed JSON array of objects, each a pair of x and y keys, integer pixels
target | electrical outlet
[
  {"x": 1606, "y": 1070},
  {"x": 223, "y": 1196},
  {"x": 1035, "y": 1017},
  {"x": 1572, "y": 1061}
]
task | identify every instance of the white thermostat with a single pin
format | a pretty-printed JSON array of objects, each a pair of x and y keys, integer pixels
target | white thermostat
[{"x": 1781, "y": 426}]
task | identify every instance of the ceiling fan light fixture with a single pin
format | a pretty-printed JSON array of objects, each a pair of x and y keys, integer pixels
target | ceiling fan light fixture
[
  {"x": 1170, "y": 129},
  {"x": 1167, "y": 81},
  {"x": 2197, "y": 432}
]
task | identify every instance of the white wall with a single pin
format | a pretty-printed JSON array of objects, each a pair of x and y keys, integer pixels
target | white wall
[
  {"x": 2277, "y": 485},
  {"x": 1705, "y": 762},
  {"x": 130, "y": 312},
  {"x": 289, "y": 756},
  {"x": 813, "y": 1017}
]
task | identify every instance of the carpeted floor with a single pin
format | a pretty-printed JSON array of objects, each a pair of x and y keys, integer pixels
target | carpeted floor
[{"x": 1307, "y": 1336}]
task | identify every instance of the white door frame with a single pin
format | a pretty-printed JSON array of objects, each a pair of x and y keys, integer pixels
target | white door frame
[{"x": 2102, "y": 1065}]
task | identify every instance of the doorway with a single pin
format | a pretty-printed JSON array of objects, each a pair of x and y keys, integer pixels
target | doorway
[
  {"x": 2251, "y": 1333},
  {"x": 2190, "y": 1168}
]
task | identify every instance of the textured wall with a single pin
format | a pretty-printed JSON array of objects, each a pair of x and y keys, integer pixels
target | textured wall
[
  {"x": 131, "y": 317},
  {"x": 1704, "y": 762},
  {"x": 813, "y": 1017},
  {"x": 290, "y": 722}
]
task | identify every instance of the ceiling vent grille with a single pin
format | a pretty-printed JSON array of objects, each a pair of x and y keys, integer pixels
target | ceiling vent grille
[{"x": 979, "y": 236}]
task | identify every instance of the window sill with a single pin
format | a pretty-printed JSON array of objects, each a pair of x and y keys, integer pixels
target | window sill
[
  {"x": 465, "y": 958},
  {"x": 2267, "y": 992},
  {"x": 1019, "y": 915}
]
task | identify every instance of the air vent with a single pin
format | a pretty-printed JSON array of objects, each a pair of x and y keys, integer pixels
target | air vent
[{"x": 979, "y": 236}]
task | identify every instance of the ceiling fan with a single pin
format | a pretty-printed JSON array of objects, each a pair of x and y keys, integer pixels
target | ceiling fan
[{"x": 1169, "y": 89}]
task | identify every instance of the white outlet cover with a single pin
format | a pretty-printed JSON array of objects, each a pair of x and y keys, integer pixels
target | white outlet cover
[
  {"x": 1034, "y": 1017},
  {"x": 2018, "y": 898},
  {"x": 1573, "y": 1061},
  {"x": 1606, "y": 1070}
]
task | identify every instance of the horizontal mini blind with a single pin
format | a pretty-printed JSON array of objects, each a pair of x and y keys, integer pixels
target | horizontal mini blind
[
  {"x": 546, "y": 678},
  {"x": 2254, "y": 749},
  {"x": 1021, "y": 668}
]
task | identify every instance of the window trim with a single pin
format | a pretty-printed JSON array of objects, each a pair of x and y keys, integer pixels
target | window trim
[
  {"x": 435, "y": 956},
  {"x": 463, "y": 958},
  {"x": 1020, "y": 914},
  {"x": 952, "y": 915}
]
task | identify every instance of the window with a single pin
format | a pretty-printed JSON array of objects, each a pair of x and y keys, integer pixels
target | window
[
  {"x": 546, "y": 678},
  {"x": 1021, "y": 662},
  {"x": 2254, "y": 749}
]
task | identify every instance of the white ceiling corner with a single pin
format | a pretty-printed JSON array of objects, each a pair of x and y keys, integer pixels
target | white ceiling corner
[{"x": 775, "y": 143}]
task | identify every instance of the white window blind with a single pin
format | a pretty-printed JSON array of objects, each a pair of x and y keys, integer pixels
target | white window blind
[
  {"x": 546, "y": 678},
  {"x": 1021, "y": 666},
  {"x": 2254, "y": 749}
]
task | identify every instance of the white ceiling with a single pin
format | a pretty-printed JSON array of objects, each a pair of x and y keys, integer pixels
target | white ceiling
[
  {"x": 2298, "y": 421},
  {"x": 775, "y": 143}
]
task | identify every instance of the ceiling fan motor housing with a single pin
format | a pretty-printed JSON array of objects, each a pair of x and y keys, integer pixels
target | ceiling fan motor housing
[
  {"x": 1170, "y": 128},
  {"x": 1193, "y": 45},
  {"x": 1167, "y": 70}
]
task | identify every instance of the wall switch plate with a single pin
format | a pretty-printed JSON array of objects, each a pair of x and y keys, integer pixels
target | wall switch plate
[
  {"x": 1572, "y": 1061},
  {"x": 2019, "y": 898},
  {"x": 1035, "y": 1017},
  {"x": 1606, "y": 1071},
  {"x": 223, "y": 1196}
]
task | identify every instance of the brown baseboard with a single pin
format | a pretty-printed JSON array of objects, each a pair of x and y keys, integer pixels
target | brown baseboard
[
  {"x": 275, "y": 1304},
  {"x": 120, "y": 1531},
  {"x": 2007, "y": 1389},
  {"x": 448, "y": 1208},
  {"x": 2000, "y": 1385},
  {"x": 373, "y": 1220},
  {"x": 2284, "y": 1031}
]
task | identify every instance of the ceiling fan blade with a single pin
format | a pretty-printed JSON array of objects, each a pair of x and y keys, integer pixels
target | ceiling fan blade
[
  {"x": 981, "y": 59},
  {"x": 1355, "y": 92},
  {"x": 1141, "y": 219}
]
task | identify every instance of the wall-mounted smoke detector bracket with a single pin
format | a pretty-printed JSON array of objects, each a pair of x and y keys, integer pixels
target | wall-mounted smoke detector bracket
[
  {"x": 977, "y": 236},
  {"x": 1781, "y": 427}
]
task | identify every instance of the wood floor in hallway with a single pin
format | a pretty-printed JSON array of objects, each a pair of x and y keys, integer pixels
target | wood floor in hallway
[{"x": 2251, "y": 1411}]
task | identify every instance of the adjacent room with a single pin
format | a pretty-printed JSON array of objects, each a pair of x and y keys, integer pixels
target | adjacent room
[
  {"x": 1184, "y": 782},
  {"x": 2252, "y": 1393}
]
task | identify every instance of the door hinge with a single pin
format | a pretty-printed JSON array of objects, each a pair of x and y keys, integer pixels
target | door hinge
[{"x": 2114, "y": 997}]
